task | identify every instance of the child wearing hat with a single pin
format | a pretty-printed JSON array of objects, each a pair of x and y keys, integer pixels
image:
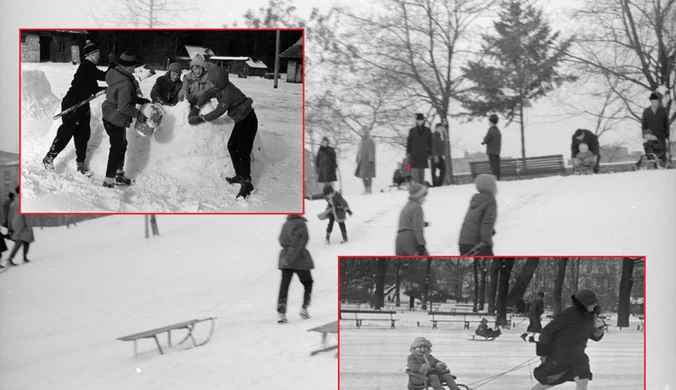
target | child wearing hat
[
  {"x": 294, "y": 258},
  {"x": 421, "y": 361},
  {"x": 410, "y": 238},
  {"x": 563, "y": 341},
  {"x": 335, "y": 211},
  {"x": 477, "y": 229},
  {"x": 166, "y": 88},
  {"x": 76, "y": 123},
  {"x": 484, "y": 331},
  {"x": 196, "y": 82}
]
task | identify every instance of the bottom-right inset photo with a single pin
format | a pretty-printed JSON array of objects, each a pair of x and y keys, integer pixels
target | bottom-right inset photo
[{"x": 492, "y": 323}]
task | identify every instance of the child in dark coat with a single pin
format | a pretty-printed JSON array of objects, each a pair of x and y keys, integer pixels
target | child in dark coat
[
  {"x": 563, "y": 341},
  {"x": 477, "y": 229},
  {"x": 294, "y": 258},
  {"x": 421, "y": 361},
  {"x": 484, "y": 331},
  {"x": 166, "y": 88},
  {"x": 335, "y": 211}
]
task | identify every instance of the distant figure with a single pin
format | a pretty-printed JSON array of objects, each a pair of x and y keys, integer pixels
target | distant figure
[
  {"x": 585, "y": 159},
  {"x": 493, "y": 141},
  {"x": 655, "y": 128},
  {"x": 366, "y": 160},
  {"x": 438, "y": 155},
  {"x": 410, "y": 239},
  {"x": 589, "y": 138},
  {"x": 325, "y": 163},
  {"x": 21, "y": 231},
  {"x": 476, "y": 234},
  {"x": 520, "y": 307},
  {"x": 484, "y": 331},
  {"x": 421, "y": 361},
  {"x": 336, "y": 208},
  {"x": 419, "y": 148},
  {"x": 294, "y": 258},
  {"x": 563, "y": 341},
  {"x": 537, "y": 308}
]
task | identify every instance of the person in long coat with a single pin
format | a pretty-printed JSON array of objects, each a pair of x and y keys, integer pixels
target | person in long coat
[
  {"x": 493, "y": 142},
  {"x": 325, "y": 163},
  {"x": 294, "y": 258},
  {"x": 21, "y": 230},
  {"x": 366, "y": 161},
  {"x": 410, "y": 237},
  {"x": 419, "y": 148},
  {"x": 563, "y": 341},
  {"x": 537, "y": 308},
  {"x": 478, "y": 227},
  {"x": 655, "y": 126},
  {"x": 587, "y": 137}
]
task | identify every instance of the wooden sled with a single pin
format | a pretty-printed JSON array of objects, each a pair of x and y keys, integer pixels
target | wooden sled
[
  {"x": 188, "y": 325},
  {"x": 476, "y": 337},
  {"x": 426, "y": 381},
  {"x": 325, "y": 330}
]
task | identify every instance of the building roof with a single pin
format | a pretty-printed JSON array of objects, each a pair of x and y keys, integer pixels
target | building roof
[
  {"x": 295, "y": 51},
  {"x": 194, "y": 50},
  {"x": 256, "y": 64},
  {"x": 252, "y": 63}
]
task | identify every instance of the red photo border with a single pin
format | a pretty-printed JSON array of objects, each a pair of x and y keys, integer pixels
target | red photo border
[
  {"x": 171, "y": 213},
  {"x": 645, "y": 288}
]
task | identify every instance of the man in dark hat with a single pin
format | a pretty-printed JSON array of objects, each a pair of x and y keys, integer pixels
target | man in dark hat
[
  {"x": 118, "y": 110},
  {"x": 76, "y": 123},
  {"x": 583, "y": 136},
  {"x": 419, "y": 148},
  {"x": 563, "y": 341},
  {"x": 493, "y": 141},
  {"x": 655, "y": 128}
]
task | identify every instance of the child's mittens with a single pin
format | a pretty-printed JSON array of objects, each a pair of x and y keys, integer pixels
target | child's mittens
[
  {"x": 441, "y": 366},
  {"x": 424, "y": 369}
]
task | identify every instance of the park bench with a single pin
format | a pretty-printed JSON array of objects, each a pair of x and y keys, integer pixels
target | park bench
[
  {"x": 187, "y": 325},
  {"x": 541, "y": 165},
  {"x": 370, "y": 314},
  {"x": 465, "y": 318},
  {"x": 508, "y": 168}
]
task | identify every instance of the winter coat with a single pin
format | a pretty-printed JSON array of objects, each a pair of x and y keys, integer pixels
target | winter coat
[
  {"x": 586, "y": 158},
  {"x": 493, "y": 140},
  {"x": 338, "y": 206},
  {"x": 419, "y": 146},
  {"x": 193, "y": 87},
  {"x": 424, "y": 364},
  {"x": 293, "y": 239},
  {"x": 366, "y": 158},
  {"x": 120, "y": 105},
  {"x": 5, "y": 213},
  {"x": 22, "y": 229},
  {"x": 479, "y": 220},
  {"x": 410, "y": 231},
  {"x": 230, "y": 98},
  {"x": 325, "y": 164},
  {"x": 656, "y": 122},
  {"x": 3, "y": 245},
  {"x": 438, "y": 145},
  {"x": 565, "y": 338},
  {"x": 536, "y": 308},
  {"x": 84, "y": 82},
  {"x": 590, "y": 139},
  {"x": 166, "y": 91}
]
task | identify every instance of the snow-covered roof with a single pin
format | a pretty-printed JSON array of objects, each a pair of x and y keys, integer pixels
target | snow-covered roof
[
  {"x": 256, "y": 64},
  {"x": 194, "y": 50},
  {"x": 295, "y": 51},
  {"x": 228, "y": 58}
]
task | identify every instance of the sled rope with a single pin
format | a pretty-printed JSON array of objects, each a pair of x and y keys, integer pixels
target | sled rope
[{"x": 489, "y": 379}]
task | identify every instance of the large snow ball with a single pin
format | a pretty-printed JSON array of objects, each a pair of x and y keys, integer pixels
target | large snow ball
[{"x": 37, "y": 99}]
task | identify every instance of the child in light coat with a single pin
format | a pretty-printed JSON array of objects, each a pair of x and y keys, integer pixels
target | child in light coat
[{"x": 421, "y": 361}]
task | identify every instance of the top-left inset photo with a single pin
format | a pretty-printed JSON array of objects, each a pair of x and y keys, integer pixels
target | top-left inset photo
[{"x": 161, "y": 121}]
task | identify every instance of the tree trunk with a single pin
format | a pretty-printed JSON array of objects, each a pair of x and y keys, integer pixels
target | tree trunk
[
  {"x": 482, "y": 285},
  {"x": 476, "y": 285},
  {"x": 503, "y": 290},
  {"x": 397, "y": 281},
  {"x": 523, "y": 280},
  {"x": 426, "y": 289},
  {"x": 523, "y": 136},
  {"x": 380, "y": 283},
  {"x": 558, "y": 286},
  {"x": 493, "y": 284},
  {"x": 626, "y": 283}
]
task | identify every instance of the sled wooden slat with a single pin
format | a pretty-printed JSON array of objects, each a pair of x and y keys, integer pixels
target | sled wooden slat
[{"x": 153, "y": 333}]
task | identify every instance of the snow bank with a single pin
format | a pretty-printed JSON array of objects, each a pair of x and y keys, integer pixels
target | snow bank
[{"x": 37, "y": 99}]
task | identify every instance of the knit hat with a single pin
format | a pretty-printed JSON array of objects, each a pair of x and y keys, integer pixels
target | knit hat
[
  {"x": 198, "y": 60},
  {"x": 586, "y": 297},
  {"x": 328, "y": 189},
  {"x": 493, "y": 119},
  {"x": 485, "y": 183},
  {"x": 484, "y": 321},
  {"x": 89, "y": 48},
  {"x": 419, "y": 117},
  {"x": 175, "y": 67},
  {"x": 421, "y": 341},
  {"x": 128, "y": 58},
  {"x": 654, "y": 96},
  {"x": 417, "y": 190},
  {"x": 582, "y": 147}
]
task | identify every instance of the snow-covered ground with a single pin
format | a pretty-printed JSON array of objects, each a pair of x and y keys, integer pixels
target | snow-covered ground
[
  {"x": 177, "y": 169},
  {"x": 90, "y": 284},
  {"x": 375, "y": 357}
]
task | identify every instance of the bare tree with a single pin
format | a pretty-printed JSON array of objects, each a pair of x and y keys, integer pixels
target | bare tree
[
  {"x": 522, "y": 280},
  {"x": 147, "y": 13},
  {"x": 561, "y": 264}
]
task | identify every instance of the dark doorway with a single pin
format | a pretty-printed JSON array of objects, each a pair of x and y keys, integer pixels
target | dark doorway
[{"x": 45, "y": 48}]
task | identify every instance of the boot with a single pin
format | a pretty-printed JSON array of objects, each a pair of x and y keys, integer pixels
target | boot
[
  {"x": 237, "y": 179},
  {"x": 245, "y": 189},
  {"x": 48, "y": 162},
  {"x": 344, "y": 238},
  {"x": 281, "y": 318},
  {"x": 523, "y": 336},
  {"x": 304, "y": 314},
  {"x": 122, "y": 180},
  {"x": 82, "y": 168},
  {"x": 108, "y": 184}
]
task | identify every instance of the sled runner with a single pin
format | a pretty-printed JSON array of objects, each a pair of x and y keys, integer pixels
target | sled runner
[
  {"x": 188, "y": 325},
  {"x": 426, "y": 382},
  {"x": 325, "y": 330}
]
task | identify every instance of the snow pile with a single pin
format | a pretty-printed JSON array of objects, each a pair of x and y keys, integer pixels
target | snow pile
[
  {"x": 178, "y": 168},
  {"x": 37, "y": 99}
]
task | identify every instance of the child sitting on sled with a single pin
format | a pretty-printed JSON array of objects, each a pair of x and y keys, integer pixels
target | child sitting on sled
[
  {"x": 585, "y": 159},
  {"x": 484, "y": 331},
  {"x": 421, "y": 361}
]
